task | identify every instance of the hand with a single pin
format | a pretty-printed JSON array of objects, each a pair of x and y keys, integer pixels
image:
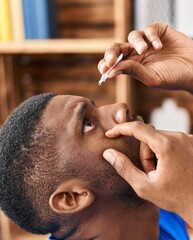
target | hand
[
  {"x": 169, "y": 185},
  {"x": 159, "y": 57}
]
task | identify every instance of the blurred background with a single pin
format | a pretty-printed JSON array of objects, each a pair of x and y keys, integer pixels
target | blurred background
[{"x": 55, "y": 46}]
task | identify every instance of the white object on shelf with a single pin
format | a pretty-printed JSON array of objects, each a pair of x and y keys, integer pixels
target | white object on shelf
[
  {"x": 149, "y": 11},
  {"x": 171, "y": 117},
  {"x": 184, "y": 16}
]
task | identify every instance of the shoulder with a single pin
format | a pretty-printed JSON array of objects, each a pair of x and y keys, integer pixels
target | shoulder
[
  {"x": 172, "y": 227},
  {"x": 51, "y": 238}
]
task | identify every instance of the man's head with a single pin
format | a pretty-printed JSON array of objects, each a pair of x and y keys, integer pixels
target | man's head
[{"x": 52, "y": 172}]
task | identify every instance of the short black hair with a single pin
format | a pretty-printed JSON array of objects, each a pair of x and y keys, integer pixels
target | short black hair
[
  {"x": 31, "y": 169},
  {"x": 21, "y": 138}
]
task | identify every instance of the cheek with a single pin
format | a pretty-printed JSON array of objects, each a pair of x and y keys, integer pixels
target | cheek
[
  {"x": 99, "y": 172},
  {"x": 93, "y": 150},
  {"x": 126, "y": 145}
]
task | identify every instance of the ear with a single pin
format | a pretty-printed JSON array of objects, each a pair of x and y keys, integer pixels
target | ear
[{"x": 71, "y": 196}]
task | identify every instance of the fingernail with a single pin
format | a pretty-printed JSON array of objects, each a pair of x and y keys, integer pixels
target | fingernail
[
  {"x": 140, "y": 46},
  {"x": 108, "y": 133},
  {"x": 109, "y": 156},
  {"x": 156, "y": 44}
]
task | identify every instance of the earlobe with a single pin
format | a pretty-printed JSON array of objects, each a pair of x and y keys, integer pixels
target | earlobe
[{"x": 71, "y": 197}]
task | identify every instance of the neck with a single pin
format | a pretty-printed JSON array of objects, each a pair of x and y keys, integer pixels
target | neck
[
  {"x": 134, "y": 222},
  {"x": 141, "y": 222},
  {"x": 113, "y": 220}
]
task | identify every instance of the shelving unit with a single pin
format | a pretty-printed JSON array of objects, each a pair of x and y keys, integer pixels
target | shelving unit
[
  {"x": 9, "y": 92},
  {"x": 57, "y": 46}
]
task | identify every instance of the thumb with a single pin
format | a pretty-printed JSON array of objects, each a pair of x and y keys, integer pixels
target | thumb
[
  {"x": 139, "y": 71},
  {"x": 127, "y": 170}
]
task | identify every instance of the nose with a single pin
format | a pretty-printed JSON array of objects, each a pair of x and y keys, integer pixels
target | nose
[
  {"x": 113, "y": 114},
  {"x": 121, "y": 114}
]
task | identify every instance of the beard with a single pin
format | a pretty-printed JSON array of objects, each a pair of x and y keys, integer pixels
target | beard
[
  {"x": 104, "y": 177},
  {"x": 89, "y": 165}
]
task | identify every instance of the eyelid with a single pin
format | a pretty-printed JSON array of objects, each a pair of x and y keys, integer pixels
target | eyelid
[
  {"x": 86, "y": 115},
  {"x": 90, "y": 121},
  {"x": 82, "y": 110}
]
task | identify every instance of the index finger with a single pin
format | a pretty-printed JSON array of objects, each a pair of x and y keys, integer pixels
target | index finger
[
  {"x": 115, "y": 50},
  {"x": 139, "y": 130},
  {"x": 111, "y": 54}
]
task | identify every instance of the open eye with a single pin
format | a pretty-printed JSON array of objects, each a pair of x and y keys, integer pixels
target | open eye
[{"x": 87, "y": 126}]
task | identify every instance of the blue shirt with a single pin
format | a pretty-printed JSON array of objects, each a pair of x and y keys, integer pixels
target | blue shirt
[{"x": 172, "y": 227}]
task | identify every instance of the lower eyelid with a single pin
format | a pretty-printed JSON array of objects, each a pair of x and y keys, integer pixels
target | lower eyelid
[{"x": 92, "y": 128}]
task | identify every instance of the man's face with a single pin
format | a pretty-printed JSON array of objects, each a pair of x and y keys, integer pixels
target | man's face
[{"x": 79, "y": 127}]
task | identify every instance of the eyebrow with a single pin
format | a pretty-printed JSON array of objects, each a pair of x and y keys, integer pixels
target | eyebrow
[{"x": 82, "y": 109}]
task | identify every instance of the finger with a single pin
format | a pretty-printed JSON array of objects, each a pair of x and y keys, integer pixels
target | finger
[
  {"x": 114, "y": 73},
  {"x": 128, "y": 129},
  {"x": 153, "y": 33},
  {"x": 139, "y": 130},
  {"x": 111, "y": 54},
  {"x": 127, "y": 170},
  {"x": 102, "y": 67},
  {"x": 139, "y": 118},
  {"x": 136, "y": 38},
  {"x": 190, "y": 136},
  {"x": 147, "y": 157},
  {"x": 115, "y": 50},
  {"x": 138, "y": 71}
]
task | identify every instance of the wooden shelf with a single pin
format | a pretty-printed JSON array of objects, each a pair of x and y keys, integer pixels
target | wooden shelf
[
  {"x": 56, "y": 46},
  {"x": 108, "y": 25}
]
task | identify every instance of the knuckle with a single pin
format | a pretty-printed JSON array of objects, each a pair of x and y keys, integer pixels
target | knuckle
[
  {"x": 172, "y": 142},
  {"x": 154, "y": 25},
  {"x": 137, "y": 125},
  {"x": 167, "y": 143},
  {"x": 140, "y": 190},
  {"x": 132, "y": 36},
  {"x": 112, "y": 47},
  {"x": 151, "y": 31},
  {"x": 181, "y": 136}
]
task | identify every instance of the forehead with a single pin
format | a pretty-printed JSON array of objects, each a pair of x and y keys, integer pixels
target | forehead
[
  {"x": 60, "y": 107},
  {"x": 63, "y": 102}
]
